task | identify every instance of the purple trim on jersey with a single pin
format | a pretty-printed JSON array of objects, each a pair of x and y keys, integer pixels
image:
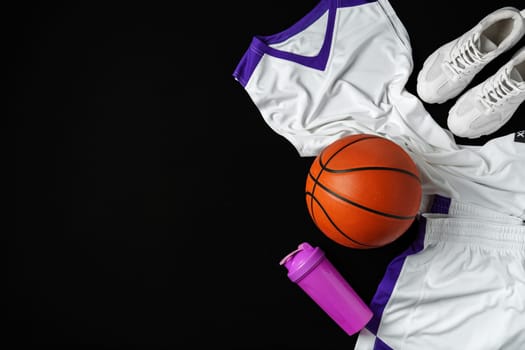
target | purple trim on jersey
[
  {"x": 350, "y": 3},
  {"x": 247, "y": 65},
  {"x": 440, "y": 205},
  {"x": 260, "y": 45},
  {"x": 386, "y": 287},
  {"x": 319, "y": 61}
]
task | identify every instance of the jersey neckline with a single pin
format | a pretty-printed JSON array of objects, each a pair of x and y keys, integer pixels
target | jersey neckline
[{"x": 261, "y": 45}]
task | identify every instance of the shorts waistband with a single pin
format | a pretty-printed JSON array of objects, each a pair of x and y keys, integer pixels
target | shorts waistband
[
  {"x": 469, "y": 231},
  {"x": 455, "y": 208}
]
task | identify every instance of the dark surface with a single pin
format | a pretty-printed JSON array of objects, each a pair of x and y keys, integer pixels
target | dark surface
[{"x": 153, "y": 204}]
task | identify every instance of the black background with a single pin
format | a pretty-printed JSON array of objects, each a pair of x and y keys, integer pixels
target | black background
[{"x": 153, "y": 204}]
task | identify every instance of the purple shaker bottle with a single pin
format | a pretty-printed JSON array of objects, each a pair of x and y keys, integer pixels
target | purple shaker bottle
[{"x": 314, "y": 273}]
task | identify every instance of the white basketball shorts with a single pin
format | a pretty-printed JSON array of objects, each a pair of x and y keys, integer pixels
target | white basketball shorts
[{"x": 460, "y": 285}]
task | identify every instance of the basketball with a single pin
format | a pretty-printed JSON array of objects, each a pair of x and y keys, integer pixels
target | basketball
[{"x": 363, "y": 191}]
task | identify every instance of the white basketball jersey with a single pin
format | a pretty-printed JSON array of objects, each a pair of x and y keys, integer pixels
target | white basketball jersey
[{"x": 342, "y": 69}]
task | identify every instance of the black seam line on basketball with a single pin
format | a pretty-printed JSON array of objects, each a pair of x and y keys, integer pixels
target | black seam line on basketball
[
  {"x": 333, "y": 155},
  {"x": 333, "y": 223},
  {"x": 323, "y": 166},
  {"x": 342, "y": 171},
  {"x": 400, "y": 217}
]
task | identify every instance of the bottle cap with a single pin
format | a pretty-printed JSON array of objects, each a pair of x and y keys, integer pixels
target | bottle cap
[{"x": 302, "y": 260}]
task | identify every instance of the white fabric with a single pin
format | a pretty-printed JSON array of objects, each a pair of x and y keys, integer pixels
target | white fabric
[
  {"x": 464, "y": 290},
  {"x": 362, "y": 90}
]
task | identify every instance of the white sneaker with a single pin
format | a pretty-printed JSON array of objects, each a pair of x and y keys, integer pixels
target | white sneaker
[
  {"x": 489, "y": 105},
  {"x": 452, "y": 67}
]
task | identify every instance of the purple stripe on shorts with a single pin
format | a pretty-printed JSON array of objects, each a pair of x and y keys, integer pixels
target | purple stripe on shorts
[
  {"x": 440, "y": 205},
  {"x": 380, "y": 345},
  {"x": 384, "y": 291},
  {"x": 386, "y": 286}
]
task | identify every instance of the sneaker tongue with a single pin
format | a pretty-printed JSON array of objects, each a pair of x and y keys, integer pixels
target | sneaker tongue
[{"x": 485, "y": 44}]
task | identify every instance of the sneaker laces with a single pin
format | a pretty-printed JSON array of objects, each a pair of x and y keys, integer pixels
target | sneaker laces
[
  {"x": 499, "y": 89},
  {"x": 465, "y": 56}
]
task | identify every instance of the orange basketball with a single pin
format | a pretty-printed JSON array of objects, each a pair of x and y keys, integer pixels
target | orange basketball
[{"x": 363, "y": 191}]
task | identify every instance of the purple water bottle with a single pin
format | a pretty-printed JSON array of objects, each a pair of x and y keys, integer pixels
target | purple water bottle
[{"x": 314, "y": 273}]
